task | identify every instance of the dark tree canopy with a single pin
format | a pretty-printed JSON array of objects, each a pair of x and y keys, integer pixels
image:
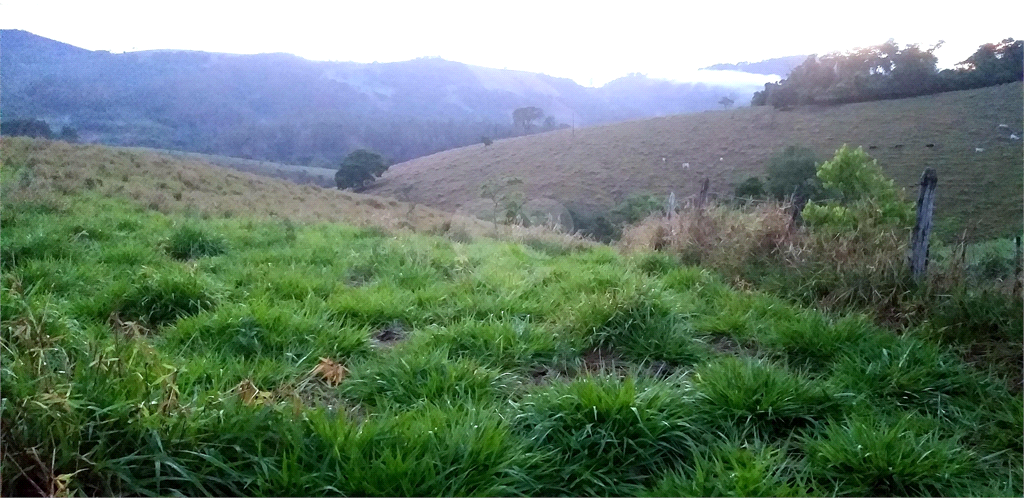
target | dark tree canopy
[
  {"x": 888, "y": 71},
  {"x": 525, "y": 116},
  {"x": 35, "y": 128},
  {"x": 359, "y": 167}
]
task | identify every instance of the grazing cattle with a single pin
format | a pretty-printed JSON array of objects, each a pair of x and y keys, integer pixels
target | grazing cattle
[
  {"x": 686, "y": 165},
  {"x": 979, "y": 149},
  {"x": 1013, "y": 136},
  {"x": 872, "y": 147},
  {"x": 897, "y": 146},
  {"x": 929, "y": 145}
]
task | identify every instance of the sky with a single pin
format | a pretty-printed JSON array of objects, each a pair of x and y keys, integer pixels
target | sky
[{"x": 590, "y": 42}]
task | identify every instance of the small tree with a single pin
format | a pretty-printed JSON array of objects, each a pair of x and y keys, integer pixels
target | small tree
[
  {"x": 507, "y": 196},
  {"x": 486, "y": 141},
  {"x": 525, "y": 116},
  {"x": 359, "y": 167},
  {"x": 866, "y": 196},
  {"x": 726, "y": 102}
]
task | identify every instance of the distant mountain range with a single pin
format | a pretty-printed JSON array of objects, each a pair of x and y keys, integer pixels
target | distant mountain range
[{"x": 283, "y": 108}]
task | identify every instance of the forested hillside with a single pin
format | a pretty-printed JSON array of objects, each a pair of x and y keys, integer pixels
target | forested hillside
[{"x": 283, "y": 108}]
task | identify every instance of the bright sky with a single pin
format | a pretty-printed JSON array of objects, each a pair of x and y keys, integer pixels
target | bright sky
[{"x": 589, "y": 41}]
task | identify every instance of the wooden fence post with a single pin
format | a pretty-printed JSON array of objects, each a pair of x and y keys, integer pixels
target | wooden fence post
[
  {"x": 1017, "y": 266},
  {"x": 799, "y": 201},
  {"x": 923, "y": 227},
  {"x": 703, "y": 195}
]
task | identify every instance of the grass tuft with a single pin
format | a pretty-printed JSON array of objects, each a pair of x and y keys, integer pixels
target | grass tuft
[
  {"x": 871, "y": 457},
  {"x": 190, "y": 242}
]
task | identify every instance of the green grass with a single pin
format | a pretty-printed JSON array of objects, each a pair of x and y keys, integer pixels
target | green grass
[{"x": 321, "y": 359}]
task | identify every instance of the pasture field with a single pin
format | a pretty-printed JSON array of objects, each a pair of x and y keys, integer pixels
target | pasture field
[
  {"x": 164, "y": 346},
  {"x": 593, "y": 169}
]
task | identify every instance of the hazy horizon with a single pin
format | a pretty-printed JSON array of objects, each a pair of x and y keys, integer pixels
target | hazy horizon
[{"x": 590, "y": 44}]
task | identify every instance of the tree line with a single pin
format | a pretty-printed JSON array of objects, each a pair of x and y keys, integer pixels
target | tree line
[{"x": 888, "y": 71}]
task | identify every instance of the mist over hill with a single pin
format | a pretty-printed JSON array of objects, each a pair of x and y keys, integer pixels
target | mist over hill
[
  {"x": 780, "y": 66},
  {"x": 284, "y": 108}
]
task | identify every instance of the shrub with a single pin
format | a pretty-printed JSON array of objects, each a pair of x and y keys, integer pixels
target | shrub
[
  {"x": 637, "y": 207},
  {"x": 791, "y": 169},
  {"x": 752, "y": 187}
]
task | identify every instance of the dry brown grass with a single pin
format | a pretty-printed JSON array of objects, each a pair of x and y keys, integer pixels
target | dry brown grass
[
  {"x": 600, "y": 166},
  {"x": 168, "y": 184},
  {"x": 861, "y": 269},
  {"x": 721, "y": 237}
]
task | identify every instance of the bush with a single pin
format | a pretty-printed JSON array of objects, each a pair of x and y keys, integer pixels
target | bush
[
  {"x": 637, "y": 207},
  {"x": 792, "y": 168},
  {"x": 752, "y": 187}
]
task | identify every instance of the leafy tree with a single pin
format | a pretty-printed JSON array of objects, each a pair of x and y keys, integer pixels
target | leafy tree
[
  {"x": 726, "y": 102},
  {"x": 359, "y": 167},
  {"x": 525, "y": 116},
  {"x": 993, "y": 64},
  {"x": 792, "y": 168},
  {"x": 486, "y": 141}
]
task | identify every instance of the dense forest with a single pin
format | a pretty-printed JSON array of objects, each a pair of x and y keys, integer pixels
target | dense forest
[
  {"x": 888, "y": 71},
  {"x": 283, "y": 108}
]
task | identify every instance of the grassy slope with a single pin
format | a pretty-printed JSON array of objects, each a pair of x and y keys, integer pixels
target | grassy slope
[
  {"x": 600, "y": 166},
  {"x": 167, "y": 183},
  {"x": 324, "y": 177},
  {"x": 153, "y": 353}
]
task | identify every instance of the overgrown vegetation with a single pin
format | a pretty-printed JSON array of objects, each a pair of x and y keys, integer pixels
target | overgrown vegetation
[
  {"x": 851, "y": 256},
  {"x": 324, "y": 359}
]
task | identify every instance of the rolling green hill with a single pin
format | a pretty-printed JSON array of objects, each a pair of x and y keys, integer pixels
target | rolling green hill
[{"x": 589, "y": 171}]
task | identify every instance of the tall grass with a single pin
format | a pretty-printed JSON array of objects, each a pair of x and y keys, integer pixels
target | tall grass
[{"x": 320, "y": 359}]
